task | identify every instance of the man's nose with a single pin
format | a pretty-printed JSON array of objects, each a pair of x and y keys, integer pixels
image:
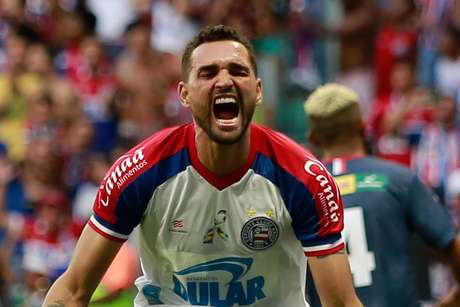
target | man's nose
[{"x": 224, "y": 79}]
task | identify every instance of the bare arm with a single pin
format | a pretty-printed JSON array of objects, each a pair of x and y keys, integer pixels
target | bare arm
[
  {"x": 333, "y": 280},
  {"x": 452, "y": 257},
  {"x": 93, "y": 255}
]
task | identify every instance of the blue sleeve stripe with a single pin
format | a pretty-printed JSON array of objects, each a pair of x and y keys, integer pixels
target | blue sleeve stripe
[{"x": 297, "y": 198}]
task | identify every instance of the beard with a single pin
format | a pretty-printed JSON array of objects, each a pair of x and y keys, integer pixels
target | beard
[
  {"x": 204, "y": 122},
  {"x": 220, "y": 139}
]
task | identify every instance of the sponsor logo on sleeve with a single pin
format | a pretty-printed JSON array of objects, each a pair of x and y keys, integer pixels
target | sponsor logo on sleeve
[
  {"x": 125, "y": 168},
  {"x": 219, "y": 282},
  {"x": 328, "y": 195}
]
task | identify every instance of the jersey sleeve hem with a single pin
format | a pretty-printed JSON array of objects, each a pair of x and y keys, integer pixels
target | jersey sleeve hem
[
  {"x": 323, "y": 250},
  {"x": 105, "y": 232}
]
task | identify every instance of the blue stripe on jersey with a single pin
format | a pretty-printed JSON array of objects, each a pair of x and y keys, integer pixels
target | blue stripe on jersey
[
  {"x": 297, "y": 199},
  {"x": 135, "y": 197}
]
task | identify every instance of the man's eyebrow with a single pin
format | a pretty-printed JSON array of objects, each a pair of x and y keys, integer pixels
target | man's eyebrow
[
  {"x": 232, "y": 65},
  {"x": 209, "y": 67},
  {"x": 238, "y": 66}
]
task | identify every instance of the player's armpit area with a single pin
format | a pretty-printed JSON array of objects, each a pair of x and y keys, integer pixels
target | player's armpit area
[{"x": 332, "y": 276}]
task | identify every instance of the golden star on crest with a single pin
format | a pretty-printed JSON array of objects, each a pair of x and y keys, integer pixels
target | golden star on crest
[
  {"x": 251, "y": 212},
  {"x": 269, "y": 213}
]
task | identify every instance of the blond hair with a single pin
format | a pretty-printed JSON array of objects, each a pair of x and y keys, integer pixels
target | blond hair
[{"x": 333, "y": 112}]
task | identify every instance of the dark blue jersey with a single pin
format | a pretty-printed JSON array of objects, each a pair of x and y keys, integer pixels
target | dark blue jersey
[{"x": 384, "y": 205}]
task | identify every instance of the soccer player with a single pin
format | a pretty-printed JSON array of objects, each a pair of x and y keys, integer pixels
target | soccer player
[
  {"x": 227, "y": 210},
  {"x": 384, "y": 203}
]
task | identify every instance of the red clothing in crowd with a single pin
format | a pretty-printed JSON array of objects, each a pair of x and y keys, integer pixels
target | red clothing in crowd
[
  {"x": 391, "y": 45},
  {"x": 399, "y": 146},
  {"x": 48, "y": 252}
]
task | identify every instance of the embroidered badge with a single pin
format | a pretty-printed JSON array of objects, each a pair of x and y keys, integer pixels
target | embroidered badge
[{"x": 259, "y": 233}]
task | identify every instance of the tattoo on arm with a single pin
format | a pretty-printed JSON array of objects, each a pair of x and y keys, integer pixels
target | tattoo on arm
[
  {"x": 342, "y": 251},
  {"x": 59, "y": 303}
]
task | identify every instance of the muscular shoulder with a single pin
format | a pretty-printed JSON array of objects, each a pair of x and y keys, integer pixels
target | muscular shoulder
[
  {"x": 280, "y": 147},
  {"x": 304, "y": 169},
  {"x": 140, "y": 165},
  {"x": 164, "y": 143},
  {"x": 147, "y": 154}
]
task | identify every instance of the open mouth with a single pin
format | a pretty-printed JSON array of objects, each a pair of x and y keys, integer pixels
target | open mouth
[{"x": 226, "y": 110}]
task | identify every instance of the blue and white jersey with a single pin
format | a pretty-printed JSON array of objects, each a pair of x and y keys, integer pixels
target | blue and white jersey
[
  {"x": 385, "y": 204},
  {"x": 237, "y": 240}
]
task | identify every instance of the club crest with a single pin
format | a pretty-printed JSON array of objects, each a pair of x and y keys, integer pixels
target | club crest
[{"x": 259, "y": 233}]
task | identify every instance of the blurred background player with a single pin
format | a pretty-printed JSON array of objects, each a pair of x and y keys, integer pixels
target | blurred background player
[{"x": 384, "y": 204}]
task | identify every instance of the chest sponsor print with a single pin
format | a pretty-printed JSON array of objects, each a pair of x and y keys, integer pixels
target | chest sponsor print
[{"x": 220, "y": 282}]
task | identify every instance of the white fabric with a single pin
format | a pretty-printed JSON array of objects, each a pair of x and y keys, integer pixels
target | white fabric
[
  {"x": 112, "y": 17},
  {"x": 171, "y": 30},
  {"x": 84, "y": 200},
  {"x": 447, "y": 76},
  {"x": 178, "y": 228}
]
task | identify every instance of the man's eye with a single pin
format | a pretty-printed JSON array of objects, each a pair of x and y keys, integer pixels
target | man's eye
[
  {"x": 205, "y": 74},
  {"x": 241, "y": 73}
]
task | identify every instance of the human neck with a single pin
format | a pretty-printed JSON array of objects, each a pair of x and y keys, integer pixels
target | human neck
[
  {"x": 352, "y": 148},
  {"x": 222, "y": 159}
]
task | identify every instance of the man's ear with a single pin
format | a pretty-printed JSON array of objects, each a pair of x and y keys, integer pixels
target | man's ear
[
  {"x": 311, "y": 137},
  {"x": 183, "y": 94},
  {"x": 259, "y": 92}
]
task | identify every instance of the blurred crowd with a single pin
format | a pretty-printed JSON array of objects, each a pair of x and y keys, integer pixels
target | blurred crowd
[{"x": 83, "y": 81}]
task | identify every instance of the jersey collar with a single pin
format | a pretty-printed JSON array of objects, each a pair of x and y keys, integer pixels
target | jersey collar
[{"x": 221, "y": 182}]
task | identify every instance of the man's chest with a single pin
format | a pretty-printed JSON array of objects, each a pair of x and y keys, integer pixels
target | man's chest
[{"x": 188, "y": 214}]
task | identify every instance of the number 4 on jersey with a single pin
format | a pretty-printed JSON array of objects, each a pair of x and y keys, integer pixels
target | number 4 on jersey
[{"x": 362, "y": 261}]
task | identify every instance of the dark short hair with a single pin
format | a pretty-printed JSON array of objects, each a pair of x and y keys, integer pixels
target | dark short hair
[
  {"x": 214, "y": 34},
  {"x": 454, "y": 31},
  {"x": 135, "y": 24}
]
